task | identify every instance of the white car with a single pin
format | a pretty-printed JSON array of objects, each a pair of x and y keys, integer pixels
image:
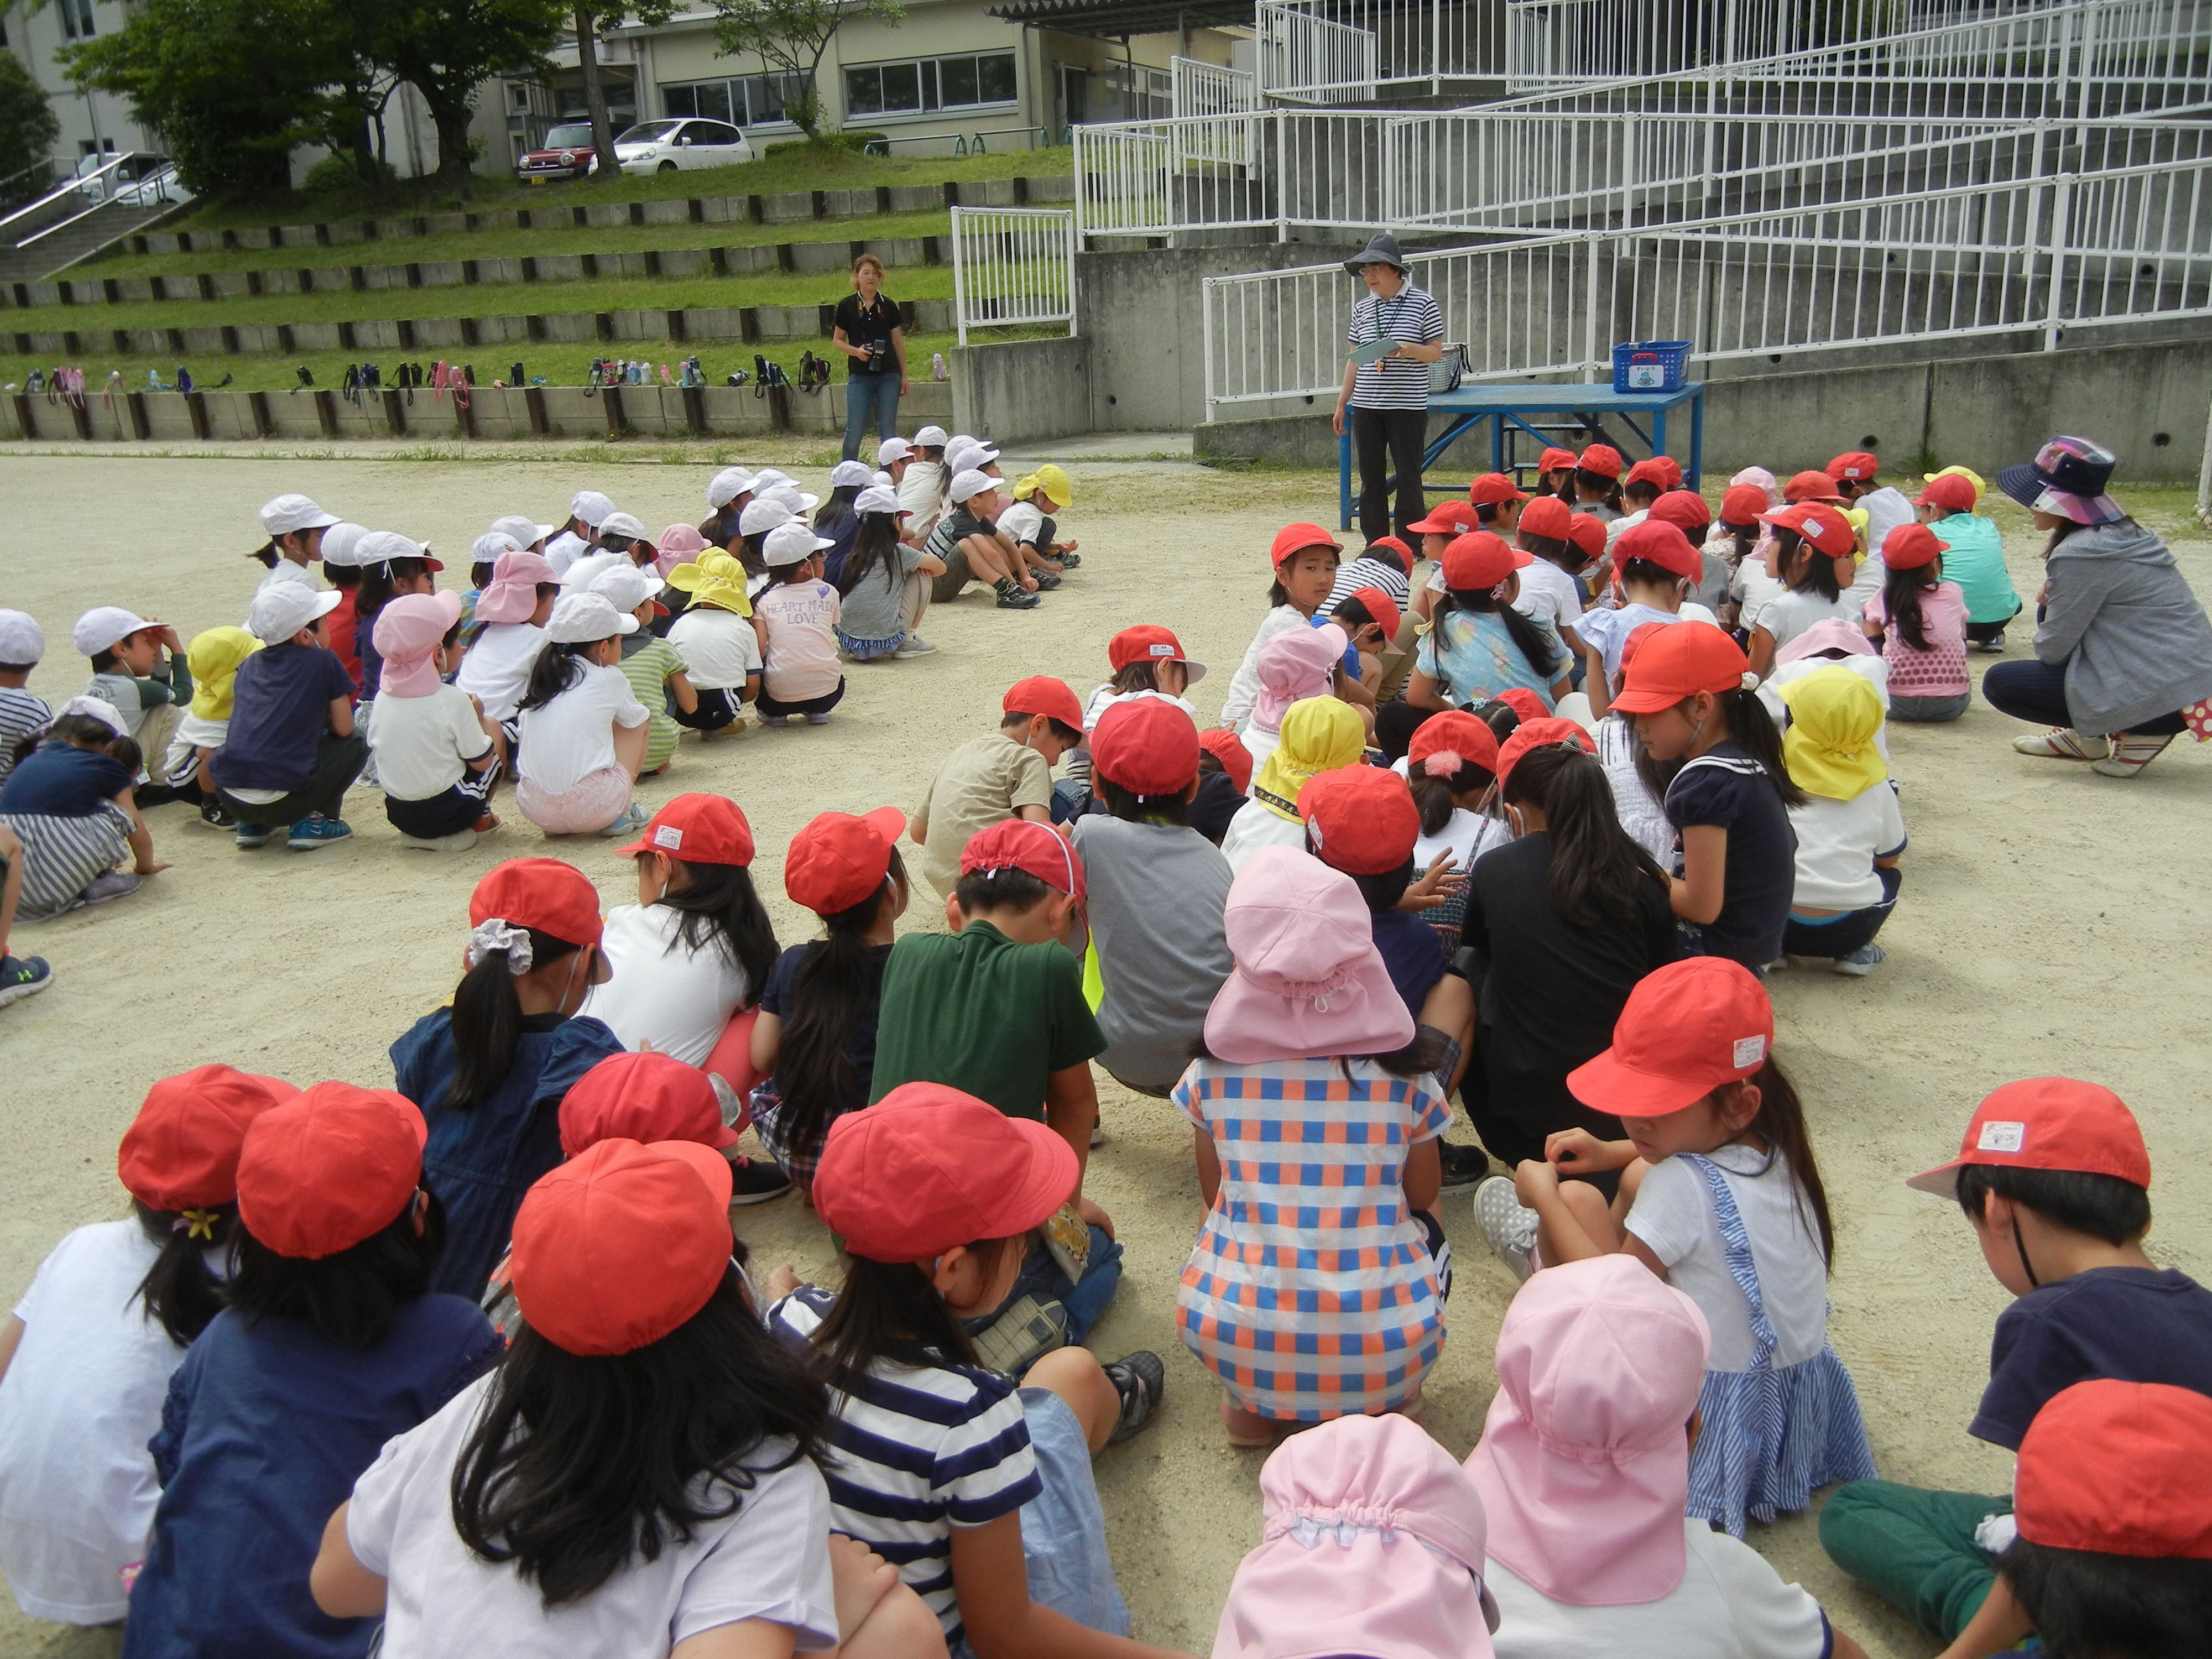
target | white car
[
  {"x": 137, "y": 181},
  {"x": 681, "y": 143}
]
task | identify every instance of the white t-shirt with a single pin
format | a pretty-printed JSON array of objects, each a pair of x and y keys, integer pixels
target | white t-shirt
[
  {"x": 1673, "y": 1214},
  {"x": 1790, "y": 612},
  {"x": 676, "y": 998},
  {"x": 1886, "y": 508},
  {"x": 564, "y": 549},
  {"x": 1021, "y": 522},
  {"x": 921, "y": 492},
  {"x": 574, "y": 736},
  {"x": 1621, "y": 525},
  {"x": 719, "y": 647},
  {"x": 1754, "y": 589},
  {"x": 497, "y": 666},
  {"x": 193, "y": 733},
  {"x": 81, "y": 1400},
  {"x": 284, "y": 574},
  {"x": 1466, "y": 835},
  {"x": 768, "y": 1560},
  {"x": 1254, "y": 827},
  {"x": 422, "y": 745},
  {"x": 1607, "y": 628},
  {"x": 1838, "y": 842},
  {"x": 1549, "y": 592},
  {"x": 1730, "y": 1605},
  {"x": 801, "y": 620}
]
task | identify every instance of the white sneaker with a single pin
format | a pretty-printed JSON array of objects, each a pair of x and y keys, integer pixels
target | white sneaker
[
  {"x": 1507, "y": 1228},
  {"x": 1862, "y": 961},
  {"x": 915, "y": 646},
  {"x": 2063, "y": 743},
  {"x": 2129, "y": 755}
]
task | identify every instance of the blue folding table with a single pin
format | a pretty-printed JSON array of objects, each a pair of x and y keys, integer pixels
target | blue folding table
[{"x": 1510, "y": 408}]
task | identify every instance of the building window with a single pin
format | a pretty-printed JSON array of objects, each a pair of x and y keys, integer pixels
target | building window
[
  {"x": 77, "y": 19},
  {"x": 746, "y": 100},
  {"x": 920, "y": 85}
]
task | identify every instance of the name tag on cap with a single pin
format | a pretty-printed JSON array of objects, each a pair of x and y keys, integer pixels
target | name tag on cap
[
  {"x": 1163, "y": 650},
  {"x": 2002, "y": 1138},
  {"x": 668, "y": 835},
  {"x": 1749, "y": 1051}
]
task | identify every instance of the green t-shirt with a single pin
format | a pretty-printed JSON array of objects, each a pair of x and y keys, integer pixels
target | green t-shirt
[{"x": 977, "y": 1011}]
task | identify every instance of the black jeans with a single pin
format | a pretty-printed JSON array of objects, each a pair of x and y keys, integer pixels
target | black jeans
[
  {"x": 338, "y": 761},
  {"x": 2037, "y": 691},
  {"x": 822, "y": 705},
  {"x": 1402, "y": 434}
]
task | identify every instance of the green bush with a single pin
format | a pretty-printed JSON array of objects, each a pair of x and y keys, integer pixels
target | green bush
[
  {"x": 857, "y": 142},
  {"x": 335, "y": 175}
]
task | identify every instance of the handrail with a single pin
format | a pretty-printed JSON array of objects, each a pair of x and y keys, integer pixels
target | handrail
[{"x": 60, "y": 191}]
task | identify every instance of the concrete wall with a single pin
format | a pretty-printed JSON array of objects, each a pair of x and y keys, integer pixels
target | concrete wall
[{"x": 1022, "y": 389}]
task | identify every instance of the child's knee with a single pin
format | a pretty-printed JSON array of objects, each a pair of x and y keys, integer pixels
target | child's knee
[{"x": 900, "y": 1626}]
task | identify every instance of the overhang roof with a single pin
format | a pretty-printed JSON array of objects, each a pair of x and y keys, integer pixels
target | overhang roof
[{"x": 1112, "y": 20}]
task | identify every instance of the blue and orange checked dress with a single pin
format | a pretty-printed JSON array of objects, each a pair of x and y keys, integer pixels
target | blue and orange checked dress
[{"x": 1310, "y": 1291}]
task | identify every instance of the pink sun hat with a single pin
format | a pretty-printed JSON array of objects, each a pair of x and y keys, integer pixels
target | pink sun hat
[
  {"x": 1584, "y": 1461},
  {"x": 1296, "y": 664},
  {"x": 512, "y": 594},
  {"x": 678, "y": 544},
  {"x": 1373, "y": 1545},
  {"x": 1309, "y": 982},
  {"x": 1829, "y": 633},
  {"x": 407, "y": 633}
]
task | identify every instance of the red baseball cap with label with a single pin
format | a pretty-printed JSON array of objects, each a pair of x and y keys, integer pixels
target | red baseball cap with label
[
  {"x": 1490, "y": 488},
  {"x": 1381, "y": 607},
  {"x": 1481, "y": 560},
  {"x": 545, "y": 893},
  {"x": 1041, "y": 694},
  {"x": 1587, "y": 531},
  {"x": 1951, "y": 491},
  {"x": 1362, "y": 819},
  {"x": 1525, "y": 704},
  {"x": 1146, "y": 745},
  {"x": 1648, "y": 471},
  {"x": 2048, "y": 1123},
  {"x": 1911, "y": 546},
  {"x": 622, "y": 1244},
  {"x": 1684, "y": 508},
  {"x": 1547, "y": 516},
  {"x": 1393, "y": 546},
  {"x": 838, "y": 861},
  {"x": 1686, "y": 1030},
  {"x": 647, "y": 1095},
  {"x": 1449, "y": 518},
  {"x": 1553, "y": 459},
  {"x": 1146, "y": 643},
  {"x": 329, "y": 1167},
  {"x": 1810, "y": 487},
  {"x": 1225, "y": 746},
  {"x": 1657, "y": 542},
  {"x": 2118, "y": 1468},
  {"x": 1294, "y": 538},
  {"x": 697, "y": 830},
  {"x": 1602, "y": 459},
  {"x": 1024, "y": 844},
  {"x": 927, "y": 1168},
  {"x": 1819, "y": 523},
  {"x": 1539, "y": 734},
  {"x": 1743, "y": 505},
  {"x": 1682, "y": 660},
  {"x": 1444, "y": 745},
  {"x": 1858, "y": 466},
  {"x": 180, "y": 1152}
]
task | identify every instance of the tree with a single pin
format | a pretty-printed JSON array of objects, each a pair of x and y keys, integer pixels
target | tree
[
  {"x": 589, "y": 17},
  {"x": 28, "y": 125},
  {"x": 448, "y": 48},
  {"x": 793, "y": 35}
]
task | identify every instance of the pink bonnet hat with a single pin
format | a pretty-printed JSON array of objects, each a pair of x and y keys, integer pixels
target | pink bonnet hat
[
  {"x": 407, "y": 633},
  {"x": 1765, "y": 480},
  {"x": 512, "y": 596},
  {"x": 1309, "y": 982},
  {"x": 1295, "y": 665},
  {"x": 1832, "y": 634},
  {"x": 679, "y": 543},
  {"x": 1584, "y": 1461},
  {"x": 1373, "y": 1545}
]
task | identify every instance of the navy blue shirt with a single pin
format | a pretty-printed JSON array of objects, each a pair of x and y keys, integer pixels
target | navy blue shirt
[
  {"x": 279, "y": 711},
  {"x": 1412, "y": 953},
  {"x": 2131, "y": 1324},
  {"x": 371, "y": 662},
  {"x": 1726, "y": 786},
  {"x": 841, "y": 538},
  {"x": 1217, "y": 801},
  {"x": 860, "y": 1041},
  {"x": 481, "y": 1161},
  {"x": 59, "y": 779},
  {"x": 266, "y": 1429}
]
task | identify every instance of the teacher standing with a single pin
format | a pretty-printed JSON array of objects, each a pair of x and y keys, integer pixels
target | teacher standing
[
  {"x": 870, "y": 331},
  {"x": 1386, "y": 402}
]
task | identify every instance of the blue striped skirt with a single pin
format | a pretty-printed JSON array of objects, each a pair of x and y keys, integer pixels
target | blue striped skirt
[
  {"x": 62, "y": 856},
  {"x": 1770, "y": 1437}
]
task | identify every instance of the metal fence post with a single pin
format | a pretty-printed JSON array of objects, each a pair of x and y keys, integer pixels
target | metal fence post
[
  {"x": 2062, "y": 198},
  {"x": 959, "y": 283}
]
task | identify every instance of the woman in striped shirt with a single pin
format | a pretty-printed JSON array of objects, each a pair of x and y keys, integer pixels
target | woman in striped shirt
[{"x": 1386, "y": 403}]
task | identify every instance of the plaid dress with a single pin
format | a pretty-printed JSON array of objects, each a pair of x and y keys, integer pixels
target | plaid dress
[{"x": 1310, "y": 1291}]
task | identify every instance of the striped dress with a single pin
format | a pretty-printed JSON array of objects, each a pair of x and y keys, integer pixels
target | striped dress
[
  {"x": 1311, "y": 1292},
  {"x": 64, "y": 852}
]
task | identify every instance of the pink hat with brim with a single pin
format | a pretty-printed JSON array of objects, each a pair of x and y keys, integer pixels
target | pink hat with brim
[
  {"x": 1309, "y": 982},
  {"x": 1373, "y": 1545},
  {"x": 678, "y": 543},
  {"x": 1831, "y": 634},
  {"x": 512, "y": 594},
  {"x": 1584, "y": 1461},
  {"x": 407, "y": 634},
  {"x": 1296, "y": 664}
]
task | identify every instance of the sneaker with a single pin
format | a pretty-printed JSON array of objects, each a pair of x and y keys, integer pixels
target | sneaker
[
  {"x": 1068, "y": 561},
  {"x": 779, "y": 721},
  {"x": 2063, "y": 743},
  {"x": 913, "y": 646},
  {"x": 822, "y": 719},
  {"x": 755, "y": 1181},
  {"x": 1861, "y": 962},
  {"x": 459, "y": 841},
  {"x": 1994, "y": 646},
  {"x": 115, "y": 884},
  {"x": 1012, "y": 597},
  {"x": 633, "y": 819},
  {"x": 1507, "y": 1228},
  {"x": 315, "y": 830},
  {"x": 1464, "y": 1167},
  {"x": 2129, "y": 755},
  {"x": 1045, "y": 581},
  {"x": 1140, "y": 1379},
  {"x": 1098, "y": 1132},
  {"x": 250, "y": 834},
  {"x": 216, "y": 815},
  {"x": 23, "y": 976}
]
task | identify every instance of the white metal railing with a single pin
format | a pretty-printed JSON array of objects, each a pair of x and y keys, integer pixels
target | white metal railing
[
  {"x": 1220, "y": 99},
  {"x": 1409, "y": 43},
  {"x": 1307, "y": 57},
  {"x": 1012, "y": 266},
  {"x": 2037, "y": 259}
]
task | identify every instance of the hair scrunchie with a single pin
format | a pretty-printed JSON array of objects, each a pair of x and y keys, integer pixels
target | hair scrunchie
[
  {"x": 1444, "y": 763},
  {"x": 498, "y": 933}
]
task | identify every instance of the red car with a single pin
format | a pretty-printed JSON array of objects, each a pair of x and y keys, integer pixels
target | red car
[{"x": 567, "y": 153}]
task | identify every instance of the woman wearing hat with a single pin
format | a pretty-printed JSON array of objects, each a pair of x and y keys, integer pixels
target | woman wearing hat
[
  {"x": 2124, "y": 652},
  {"x": 1387, "y": 401}
]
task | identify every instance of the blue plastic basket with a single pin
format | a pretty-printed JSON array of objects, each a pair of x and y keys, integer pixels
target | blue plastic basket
[{"x": 1650, "y": 365}]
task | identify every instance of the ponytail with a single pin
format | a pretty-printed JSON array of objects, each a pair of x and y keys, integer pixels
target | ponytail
[
  {"x": 487, "y": 1022},
  {"x": 556, "y": 669},
  {"x": 180, "y": 1293},
  {"x": 1597, "y": 868},
  {"x": 1542, "y": 654},
  {"x": 836, "y": 985},
  {"x": 267, "y": 553},
  {"x": 1750, "y": 725},
  {"x": 1438, "y": 798},
  {"x": 874, "y": 544},
  {"x": 1900, "y": 599},
  {"x": 1780, "y": 1123}
]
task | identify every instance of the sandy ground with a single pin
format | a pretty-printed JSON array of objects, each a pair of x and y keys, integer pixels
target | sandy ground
[{"x": 2053, "y": 921}]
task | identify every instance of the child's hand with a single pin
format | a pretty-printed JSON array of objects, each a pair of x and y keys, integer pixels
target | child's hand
[
  {"x": 858, "y": 1579},
  {"x": 1577, "y": 1151},
  {"x": 148, "y": 867},
  {"x": 1534, "y": 1180},
  {"x": 782, "y": 1281},
  {"x": 1429, "y": 892},
  {"x": 1094, "y": 1217}
]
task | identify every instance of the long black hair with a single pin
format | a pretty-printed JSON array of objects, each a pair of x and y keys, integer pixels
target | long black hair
[
  {"x": 719, "y": 906},
  {"x": 1750, "y": 726},
  {"x": 559, "y": 665},
  {"x": 2085, "y": 1604},
  {"x": 890, "y": 1310},
  {"x": 181, "y": 1295},
  {"x": 1779, "y": 1125},
  {"x": 1543, "y": 656},
  {"x": 836, "y": 508},
  {"x": 487, "y": 1022},
  {"x": 1820, "y": 571},
  {"x": 379, "y": 583},
  {"x": 1438, "y": 799},
  {"x": 1901, "y": 592},
  {"x": 580, "y": 1463},
  {"x": 1596, "y": 869},
  {"x": 834, "y": 989},
  {"x": 81, "y": 732},
  {"x": 349, "y": 1299},
  {"x": 874, "y": 544}
]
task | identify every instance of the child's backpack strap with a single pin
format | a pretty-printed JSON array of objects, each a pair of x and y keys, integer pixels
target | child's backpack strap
[{"x": 1735, "y": 1239}]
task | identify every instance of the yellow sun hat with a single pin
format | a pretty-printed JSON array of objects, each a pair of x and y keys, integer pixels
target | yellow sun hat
[
  {"x": 717, "y": 579},
  {"x": 1829, "y": 748}
]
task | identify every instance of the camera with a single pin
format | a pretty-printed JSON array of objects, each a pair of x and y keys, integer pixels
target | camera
[{"x": 879, "y": 357}]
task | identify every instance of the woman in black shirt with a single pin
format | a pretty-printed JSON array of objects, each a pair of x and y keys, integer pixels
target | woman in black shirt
[{"x": 869, "y": 331}]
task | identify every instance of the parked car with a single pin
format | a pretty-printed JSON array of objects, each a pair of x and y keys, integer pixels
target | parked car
[
  {"x": 682, "y": 144},
  {"x": 566, "y": 153},
  {"x": 138, "y": 180}
]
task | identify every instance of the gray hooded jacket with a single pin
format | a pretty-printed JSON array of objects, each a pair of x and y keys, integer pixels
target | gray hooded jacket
[{"x": 2120, "y": 619}]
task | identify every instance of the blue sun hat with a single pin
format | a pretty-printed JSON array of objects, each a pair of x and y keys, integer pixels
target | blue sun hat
[{"x": 2068, "y": 477}]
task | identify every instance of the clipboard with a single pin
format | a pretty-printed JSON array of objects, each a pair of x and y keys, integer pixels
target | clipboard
[{"x": 1374, "y": 351}]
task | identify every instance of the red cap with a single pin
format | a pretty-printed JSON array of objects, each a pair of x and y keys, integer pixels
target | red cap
[
  {"x": 1743, "y": 505},
  {"x": 1823, "y": 526},
  {"x": 1553, "y": 459},
  {"x": 1686, "y": 1030},
  {"x": 1444, "y": 745},
  {"x": 1041, "y": 694},
  {"x": 1649, "y": 471},
  {"x": 697, "y": 830},
  {"x": 1547, "y": 516},
  {"x": 1911, "y": 546},
  {"x": 1858, "y": 466},
  {"x": 1149, "y": 644},
  {"x": 622, "y": 1244},
  {"x": 1952, "y": 492},
  {"x": 838, "y": 861},
  {"x": 1025, "y": 844},
  {"x": 1587, "y": 531},
  {"x": 643, "y": 1096},
  {"x": 1657, "y": 542},
  {"x": 1394, "y": 544},
  {"x": 2118, "y": 1468},
  {"x": 1381, "y": 607},
  {"x": 1684, "y": 508},
  {"x": 1602, "y": 459},
  {"x": 329, "y": 1167},
  {"x": 545, "y": 893},
  {"x": 1449, "y": 518},
  {"x": 181, "y": 1151},
  {"x": 1362, "y": 819},
  {"x": 1145, "y": 745},
  {"x": 1225, "y": 746},
  {"x": 1480, "y": 560},
  {"x": 1490, "y": 488},
  {"x": 927, "y": 1168},
  {"x": 1525, "y": 704},
  {"x": 1687, "y": 658},
  {"x": 1635, "y": 641},
  {"x": 1539, "y": 734},
  {"x": 1810, "y": 487},
  {"x": 2047, "y": 1123},
  {"x": 1294, "y": 538}
]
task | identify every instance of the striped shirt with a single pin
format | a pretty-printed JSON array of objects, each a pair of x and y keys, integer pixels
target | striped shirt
[
  {"x": 1411, "y": 317},
  {"x": 21, "y": 713},
  {"x": 918, "y": 1451},
  {"x": 1363, "y": 572}
]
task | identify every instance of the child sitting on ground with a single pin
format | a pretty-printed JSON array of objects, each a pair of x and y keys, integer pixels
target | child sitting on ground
[
  {"x": 437, "y": 753},
  {"x": 1143, "y": 658},
  {"x": 885, "y": 583},
  {"x": 1320, "y": 734},
  {"x": 139, "y": 670},
  {"x": 1305, "y": 1307},
  {"x": 1296, "y": 664},
  {"x": 291, "y": 751},
  {"x": 1369, "y": 620},
  {"x": 1305, "y": 560},
  {"x": 1656, "y": 567},
  {"x": 718, "y": 641},
  {"x": 1973, "y": 554},
  {"x": 1031, "y": 523},
  {"x": 1596, "y": 488},
  {"x": 1920, "y": 622},
  {"x": 1480, "y": 645},
  {"x": 654, "y": 667},
  {"x": 1850, "y": 832},
  {"x": 991, "y": 779},
  {"x": 1446, "y": 522},
  {"x": 1830, "y": 644},
  {"x": 965, "y": 542},
  {"x": 587, "y": 510},
  {"x": 921, "y": 485},
  {"x": 1812, "y": 545},
  {"x": 69, "y": 804},
  {"x": 2054, "y": 1178},
  {"x": 797, "y": 616},
  {"x": 506, "y": 637},
  {"x": 391, "y": 566},
  {"x": 1385, "y": 563},
  {"x": 1548, "y": 591},
  {"x": 22, "y": 644},
  {"x": 293, "y": 528},
  {"x": 213, "y": 657},
  {"x": 582, "y": 733}
]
